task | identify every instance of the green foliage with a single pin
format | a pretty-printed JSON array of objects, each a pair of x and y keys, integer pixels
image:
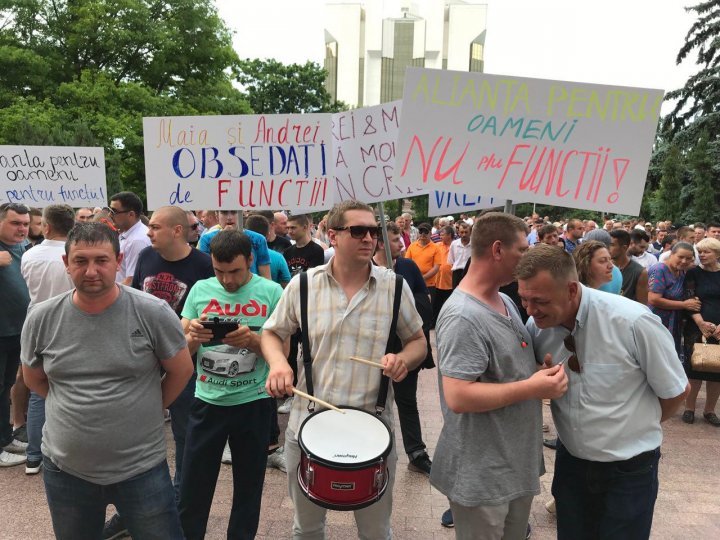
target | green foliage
[
  {"x": 704, "y": 193},
  {"x": 666, "y": 202},
  {"x": 273, "y": 87}
]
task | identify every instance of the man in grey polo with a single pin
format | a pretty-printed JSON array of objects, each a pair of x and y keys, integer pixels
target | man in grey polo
[{"x": 624, "y": 379}]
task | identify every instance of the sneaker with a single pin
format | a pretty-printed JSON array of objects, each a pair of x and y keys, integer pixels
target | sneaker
[
  {"x": 528, "y": 532},
  {"x": 16, "y": 447},
  {"x": 114, "y": 528},
  {"x": 421, "y": 464},
  {"x": 227, "y": 455},
  {"x": 21, "y": 433},
  {"x": 712, "y": 419},
  {"x": 546, "y": 428},
  {"x": 166, "y": 415},
  {"x": 276, "y": 460},
  {"x": 33, "y": 466},
  {"x": 447, "y": 519},
  {"x": 688, "y": 417},
  {"x": 8, "y": 460},
  {"x": 550, "y": 443},
  {"x": 550, "y": 506},
  {"x": 286, "y": 406}
]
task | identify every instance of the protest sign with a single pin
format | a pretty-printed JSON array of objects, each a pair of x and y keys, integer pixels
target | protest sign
[
  {"x": 441, "y": 203},
  {"x": 244, "y": 162},
  {"x": 563, "y": 143},
  {"x": 38, "y": 176},
  {"x": 364, "y": 155}
]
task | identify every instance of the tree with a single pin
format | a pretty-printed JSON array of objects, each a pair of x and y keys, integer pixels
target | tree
[
  {"x": 667, "y": 203},
  {"x": 273, "y": 87},
  {"x": 704, "y": 206}
]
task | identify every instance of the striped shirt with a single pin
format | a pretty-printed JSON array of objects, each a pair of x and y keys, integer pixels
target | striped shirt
[{"x": 339, "y": 329}]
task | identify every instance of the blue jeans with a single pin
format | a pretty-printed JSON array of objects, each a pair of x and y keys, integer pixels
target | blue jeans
[
  {"x": 146, "y": 502},
  {"x": 35, "y": 423},
  {"x": 179, "y": 414},
  {"x": 613, "y": 500},
  {"x": 9, "y": 362}
]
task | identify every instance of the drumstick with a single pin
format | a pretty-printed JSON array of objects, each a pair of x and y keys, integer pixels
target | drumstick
[
  {"x": 367, "y": 362},
  {"x": 316, "y": 400}
]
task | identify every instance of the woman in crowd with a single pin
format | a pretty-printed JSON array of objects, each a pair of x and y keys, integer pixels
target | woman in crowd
[
  {"x": 703, "y": 282},
  {"x": 666, "y": 295},
  {"x": 594, "y": 264}
]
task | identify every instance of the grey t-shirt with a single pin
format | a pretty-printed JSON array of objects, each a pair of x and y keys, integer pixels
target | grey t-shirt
[
  {"x": 485, "y": 459},
  {"x": 104, "y": 415}
]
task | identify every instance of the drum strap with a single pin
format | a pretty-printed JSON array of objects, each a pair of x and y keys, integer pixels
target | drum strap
[
  {"x": 385, "y": 381},
  {"x": 307, "y": 357}
]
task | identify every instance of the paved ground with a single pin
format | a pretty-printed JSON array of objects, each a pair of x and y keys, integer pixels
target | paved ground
[{"x": 688, "y": 505}]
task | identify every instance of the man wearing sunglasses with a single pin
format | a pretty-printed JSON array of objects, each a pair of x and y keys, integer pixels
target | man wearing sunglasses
[
  {"x": 14, "y": 299},
  {"x": 352, "y": 305},
  {"x": 624, "y": 380},
  {"x": 126, "y": 208}
]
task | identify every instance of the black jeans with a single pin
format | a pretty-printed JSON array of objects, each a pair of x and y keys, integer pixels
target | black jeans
[
  {"x": 9, "y": 362},
  {"x": 406, "y": 400},
  {"x": 605, "y": 501},
  {"x": 248, "y": 428},
  {"x": 441, "y": 296}
]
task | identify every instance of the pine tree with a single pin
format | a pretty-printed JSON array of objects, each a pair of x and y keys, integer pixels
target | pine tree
[
  {"x": 703, "y": 207},
  {"x": 667, "y": 198}
]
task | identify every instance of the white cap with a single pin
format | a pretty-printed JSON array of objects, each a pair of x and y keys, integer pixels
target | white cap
[{"x": 450, "y": 218}]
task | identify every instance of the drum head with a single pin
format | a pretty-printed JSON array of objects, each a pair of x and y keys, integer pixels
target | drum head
[{"x": 351, "y": 438}]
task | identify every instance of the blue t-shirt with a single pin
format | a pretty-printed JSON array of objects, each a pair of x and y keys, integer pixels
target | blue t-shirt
[
  {"x": 170, "y": 280},
  {"x": 279, "y": 270},
  {"x": 613, "y": 286},
  {"x": 260, "y": 253}
]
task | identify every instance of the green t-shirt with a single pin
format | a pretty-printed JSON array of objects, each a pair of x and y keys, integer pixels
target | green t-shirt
[{"x": 228, "y": 375}]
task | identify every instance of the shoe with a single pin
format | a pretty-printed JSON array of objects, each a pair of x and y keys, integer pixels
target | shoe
[
  {"x": 8, "y": 460},
  {"x": 166, "y": 415},
  {"x": 550, "y": 443},
  {"x": 286, "y": 406},
  {"x": 550, "y": 506},
  {"x": 528, "y": 532},
  {"x": 421, "y": 464},
  {"x": 546, "y": 428},
  {"x": 16, "y": 447},
  {"x": 447, "y": 519},
  {"x": 21, "y": 433},
  {"x": 227, "y": 455},
  {"x": 114, "y": 528},
  {"x": 33, "y": 466},
  {"x": 688, "y": 417},
  {"x": 712, "y": 419},
  {"x": 276, "y": 460}
]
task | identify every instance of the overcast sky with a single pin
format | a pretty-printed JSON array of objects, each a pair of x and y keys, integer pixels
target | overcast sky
[{"x": 617, "y": 42}]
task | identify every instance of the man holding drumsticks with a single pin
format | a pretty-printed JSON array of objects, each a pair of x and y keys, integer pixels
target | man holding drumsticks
[{"x": 352, "y": 304}]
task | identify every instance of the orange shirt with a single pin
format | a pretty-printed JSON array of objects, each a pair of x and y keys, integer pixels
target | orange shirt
[
  {"x": 425, "y": 257},
  {"x": 444, "y": 276}
]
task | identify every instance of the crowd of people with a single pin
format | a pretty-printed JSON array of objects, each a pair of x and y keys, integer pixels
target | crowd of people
[{"x": 112, "y": 327}]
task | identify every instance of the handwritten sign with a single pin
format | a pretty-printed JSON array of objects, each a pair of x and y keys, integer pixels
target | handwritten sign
[
  {"x": 442, "y": 203},
  {"x": 39, "y": 176},
  {"x": 244, "y": 162},
  {"x": 562, "y": 143},
  {"x": 364, "y": 143}
]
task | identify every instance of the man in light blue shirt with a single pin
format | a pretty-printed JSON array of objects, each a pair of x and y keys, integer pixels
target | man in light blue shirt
[{"x": 624, "y": 379}]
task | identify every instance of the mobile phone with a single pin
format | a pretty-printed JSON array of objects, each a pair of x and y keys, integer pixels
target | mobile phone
[{"x": 220, "y": 329}]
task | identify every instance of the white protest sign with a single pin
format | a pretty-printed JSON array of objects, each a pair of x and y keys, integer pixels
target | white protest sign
[
  {"x": 364, "y": 155},
  {"x": 243, "y": 162},
  {"x": 442, "y": 203},
  {"x": 563, "y": 143},
  {"x": 42, "y": 175}
]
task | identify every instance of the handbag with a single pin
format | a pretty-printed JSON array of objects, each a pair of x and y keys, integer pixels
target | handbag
[{"x": 705, "y": 357}]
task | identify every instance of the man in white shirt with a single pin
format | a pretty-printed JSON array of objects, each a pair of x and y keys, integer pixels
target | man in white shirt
[
  {"x": 126, "y": 210},
  {"x": 46, "y": 276},
  {"x": 639, "y": 241},
  {"x": 459, "y": 253}
]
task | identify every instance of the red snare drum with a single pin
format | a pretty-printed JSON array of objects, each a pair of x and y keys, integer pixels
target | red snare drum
[{"x": 343, "y": 458}]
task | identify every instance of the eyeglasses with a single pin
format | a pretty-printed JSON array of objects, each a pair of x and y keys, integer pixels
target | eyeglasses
[
  {"x": 359, "y": 231},
  {"x": 114, "y": 212},
  {"x": 573, "y": 361}
]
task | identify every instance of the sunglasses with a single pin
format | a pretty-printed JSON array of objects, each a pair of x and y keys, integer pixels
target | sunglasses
[
  {"x": 114, "y": 212},
  {"x": 359, "y": 231},
  {"x": 573, "y": 361}
]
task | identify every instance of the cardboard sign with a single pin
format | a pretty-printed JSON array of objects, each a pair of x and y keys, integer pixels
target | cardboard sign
[
  {"x": 39, "y": 176},
  {"x": 562, "y": 143},
  {"x": 244, "y": 162},
  {"x": 443, "y": 203},
  {"x": 364, "y": 155}
]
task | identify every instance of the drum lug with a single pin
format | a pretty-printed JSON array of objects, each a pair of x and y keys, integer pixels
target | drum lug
[
  {"x": 379, "y": 478},
  {"x": 309, "y": 474}
]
